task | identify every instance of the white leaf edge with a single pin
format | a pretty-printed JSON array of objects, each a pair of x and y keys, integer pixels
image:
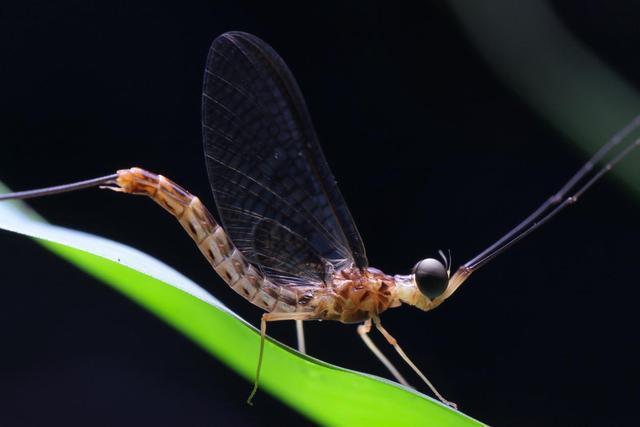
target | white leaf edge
[{"x": 17, "y": 217}]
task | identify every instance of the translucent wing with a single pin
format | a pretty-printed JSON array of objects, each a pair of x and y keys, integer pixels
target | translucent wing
[{"x": 274, "y": 191}]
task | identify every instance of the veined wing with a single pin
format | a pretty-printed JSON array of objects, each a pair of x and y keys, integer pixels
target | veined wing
[{"x": 275, "y": 193}]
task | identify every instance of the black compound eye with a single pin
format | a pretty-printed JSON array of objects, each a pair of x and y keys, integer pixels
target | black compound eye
[{"x": 431, "y": 277}]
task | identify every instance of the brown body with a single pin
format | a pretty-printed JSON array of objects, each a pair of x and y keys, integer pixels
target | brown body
[
  {"x": 355, "y": 296},
  {"x": 350, "y": 296}
]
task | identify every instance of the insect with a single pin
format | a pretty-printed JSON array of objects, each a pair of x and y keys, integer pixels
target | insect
[{"x": 286, "y": 241}]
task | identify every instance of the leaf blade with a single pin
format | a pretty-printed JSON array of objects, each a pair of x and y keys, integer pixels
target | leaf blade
[{"x": 306, "y": 384}]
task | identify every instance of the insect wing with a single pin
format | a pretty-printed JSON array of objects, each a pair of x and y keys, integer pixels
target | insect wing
[{"x": 275, "y": 193}]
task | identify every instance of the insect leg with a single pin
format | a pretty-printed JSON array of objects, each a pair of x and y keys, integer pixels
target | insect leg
[
  {"x": 302, "y": 348},
  {"x": 363, "y": 331},
  {"x": 271, "y": 317},
  {"x": 394, "y": 343},
  {"x": 578, "y": 184}
]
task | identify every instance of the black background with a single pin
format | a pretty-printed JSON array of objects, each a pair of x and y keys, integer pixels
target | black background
[{"x": 431, "y": 151}]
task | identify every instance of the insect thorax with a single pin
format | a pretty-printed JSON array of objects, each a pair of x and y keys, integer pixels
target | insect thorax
[{"x": 354, "y": 296}]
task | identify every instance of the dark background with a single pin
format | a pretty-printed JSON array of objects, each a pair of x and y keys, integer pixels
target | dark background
[{"x": 431, "y": 151}]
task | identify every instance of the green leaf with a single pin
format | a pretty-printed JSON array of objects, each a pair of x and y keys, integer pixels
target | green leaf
[
  {"x": 555, "y": 74},
  {"x": 325, "y": 393}
]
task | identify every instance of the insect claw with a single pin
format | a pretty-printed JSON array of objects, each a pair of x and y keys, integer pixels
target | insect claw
[{"x": 451, "y": 404}]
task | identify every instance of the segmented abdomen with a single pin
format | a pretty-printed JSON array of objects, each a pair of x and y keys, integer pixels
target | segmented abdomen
[{"x": 213, "y": 242}]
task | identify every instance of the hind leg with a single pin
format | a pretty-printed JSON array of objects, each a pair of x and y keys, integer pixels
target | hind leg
[
  {"x": 272, "y": 317},
  {"x": 302, "y": 348}
]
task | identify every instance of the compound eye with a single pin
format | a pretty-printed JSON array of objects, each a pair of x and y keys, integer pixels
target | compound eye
[{"x": 431, "y": 277}]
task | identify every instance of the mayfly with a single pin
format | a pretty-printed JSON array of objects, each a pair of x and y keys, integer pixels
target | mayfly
[{"x": 287, "y": 242}]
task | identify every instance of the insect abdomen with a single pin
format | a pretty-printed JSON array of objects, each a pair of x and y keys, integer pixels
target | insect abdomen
[{"x": 211, "y": 239}]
